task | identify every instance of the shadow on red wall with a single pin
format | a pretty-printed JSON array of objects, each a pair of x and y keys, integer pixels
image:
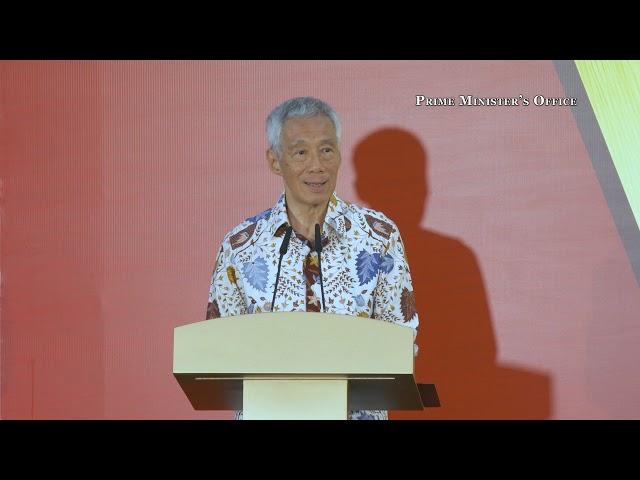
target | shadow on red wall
[{"x": 455, "y": 336}]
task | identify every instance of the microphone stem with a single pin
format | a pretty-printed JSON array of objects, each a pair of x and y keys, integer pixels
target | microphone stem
[
  {"x": 321, "y": 282},
  {"x": 273, "y": 301},
  {"x": 318, "y": 241}
]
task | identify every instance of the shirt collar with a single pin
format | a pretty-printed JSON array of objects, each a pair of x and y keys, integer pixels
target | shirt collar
[{"x": 335, "y": 217}]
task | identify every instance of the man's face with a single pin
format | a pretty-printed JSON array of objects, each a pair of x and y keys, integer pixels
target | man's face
[{"x": 310, "y": 160}]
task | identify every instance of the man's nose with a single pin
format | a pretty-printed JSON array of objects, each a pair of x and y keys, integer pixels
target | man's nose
[{"x": 315, "y": 163}]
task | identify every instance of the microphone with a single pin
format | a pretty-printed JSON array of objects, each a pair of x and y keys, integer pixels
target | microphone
[
  {"x": 319, "y": 250},
  {"x": 284, "y": 246}
]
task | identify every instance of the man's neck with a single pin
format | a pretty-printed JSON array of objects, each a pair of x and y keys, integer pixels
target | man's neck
[{"x": 303, "y": 218}]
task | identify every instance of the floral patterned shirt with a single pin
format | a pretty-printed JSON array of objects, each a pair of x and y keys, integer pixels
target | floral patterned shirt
[{"x": 364, "y": 267}]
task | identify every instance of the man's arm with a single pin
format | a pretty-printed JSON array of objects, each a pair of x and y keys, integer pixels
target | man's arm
[
  {"x": 394, "y": 298},
  {"x": 225, "y": 292}
]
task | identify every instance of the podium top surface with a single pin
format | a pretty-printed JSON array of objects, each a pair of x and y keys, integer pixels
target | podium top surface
[{"x": 293, "y": 343}]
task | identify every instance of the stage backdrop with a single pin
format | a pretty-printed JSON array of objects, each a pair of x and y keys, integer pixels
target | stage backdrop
[{"x": 120, "y": 179}]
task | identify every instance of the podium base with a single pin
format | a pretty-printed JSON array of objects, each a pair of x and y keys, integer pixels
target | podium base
[{"x": 296, "y": 399}]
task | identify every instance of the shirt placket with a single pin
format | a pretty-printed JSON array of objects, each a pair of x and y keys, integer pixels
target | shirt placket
[{"x": 311, "y": 273}]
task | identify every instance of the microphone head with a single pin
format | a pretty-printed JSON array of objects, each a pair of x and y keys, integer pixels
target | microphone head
[
  {"x": 318, "y": 239},
  {"x": 284, "y": 246}
]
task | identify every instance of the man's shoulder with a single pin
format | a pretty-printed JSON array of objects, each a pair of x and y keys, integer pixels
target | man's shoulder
[
  {"x": 245, "y": 230},
  {"x": 373, "y": 221}
]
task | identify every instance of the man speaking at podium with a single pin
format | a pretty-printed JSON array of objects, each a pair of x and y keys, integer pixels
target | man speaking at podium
[{"x": 312, "y": 251}]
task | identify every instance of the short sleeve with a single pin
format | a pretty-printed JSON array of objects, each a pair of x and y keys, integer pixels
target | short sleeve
[
  {"x": 225, "y": 295},
  {"x": 394, "y": 298}
]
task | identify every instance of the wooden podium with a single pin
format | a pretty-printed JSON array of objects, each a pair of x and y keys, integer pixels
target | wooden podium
[{"x": 296, "y": 365}]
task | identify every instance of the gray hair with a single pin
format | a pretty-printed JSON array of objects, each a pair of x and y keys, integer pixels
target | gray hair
[{"x": 299, "y": 107}]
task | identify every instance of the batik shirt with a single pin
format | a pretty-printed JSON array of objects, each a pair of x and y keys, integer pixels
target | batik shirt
[{"x": 364, "y": 270}]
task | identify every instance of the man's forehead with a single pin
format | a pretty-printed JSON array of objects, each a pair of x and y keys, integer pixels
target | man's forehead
[
  {"x": 303, "y": 141},
  {"x": 298, "y": 123}
]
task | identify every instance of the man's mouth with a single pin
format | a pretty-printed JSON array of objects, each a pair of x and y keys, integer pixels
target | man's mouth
[{"x": 316, "y": 184}]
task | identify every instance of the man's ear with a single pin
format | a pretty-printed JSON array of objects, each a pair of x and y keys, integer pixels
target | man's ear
[{"x": 274, "y": 164}]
